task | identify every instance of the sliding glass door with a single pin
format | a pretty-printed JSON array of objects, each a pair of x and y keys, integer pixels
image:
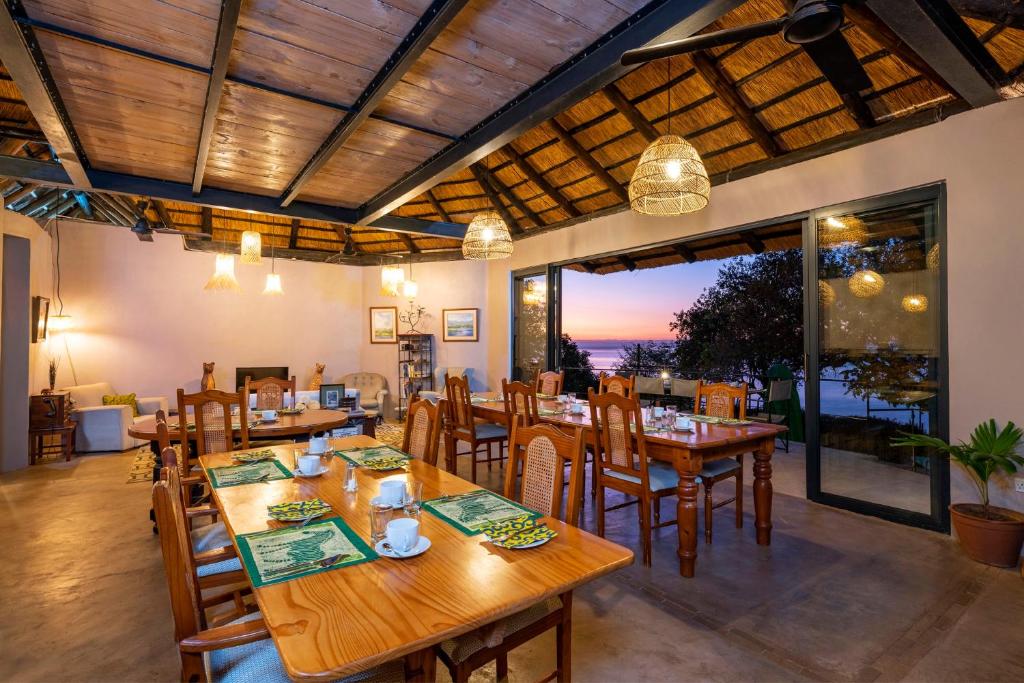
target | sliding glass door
[
  {"x": 535, "y": 321},
  {"x": 877, "y": 356}
]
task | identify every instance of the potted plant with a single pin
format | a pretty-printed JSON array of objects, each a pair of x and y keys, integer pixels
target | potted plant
[{"x": 988, "y": 534}]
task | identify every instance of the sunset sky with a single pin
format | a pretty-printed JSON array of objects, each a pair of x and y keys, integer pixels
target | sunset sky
[{"x": 637, "y": 305}]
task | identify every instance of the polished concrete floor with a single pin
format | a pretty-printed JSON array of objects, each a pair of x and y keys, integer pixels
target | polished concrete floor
[{"x": 836, "y": 597}]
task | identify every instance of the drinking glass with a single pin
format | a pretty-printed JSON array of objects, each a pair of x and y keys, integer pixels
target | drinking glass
[
  {"x": 670, "y": 416},
  {"x": 572, "y": 397},
  {"x": 413, "y": 496},
  {"x": 380, "y": 515},
  {"x": 351, "y": 485},
  {"x": 296, "y": 454}
]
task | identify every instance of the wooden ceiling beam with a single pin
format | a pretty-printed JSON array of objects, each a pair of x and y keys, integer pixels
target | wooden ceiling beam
[
  {"x": 733, "y": 101},
  {"x": 483, "y": 179},
  {"x": 685, "y": 252},
  {"x": 226, "y": 25},
  {"x": 755, "y": 243},
  {"x": 588, "y": 266},
  {"x": 630, "y": 111},
  {"x": 591, "y": 69},
  {"x": 23, "y": 59},
  {"x": 541, "y": 182},
  {"x": 436, "y": 205},
  {"x": 427, "y": 28},
  {"x": 163, "y": 215},
  {"x": 588, "y": 160},
  {"x": 937, "y": 33},
  {"x": 293, "y": 235},
  {"x": 206, "y": 220},
  {"x": 627, "y": 262},
  {"x": 22, "y": 134},
  {"x": 513, "y": 199}
]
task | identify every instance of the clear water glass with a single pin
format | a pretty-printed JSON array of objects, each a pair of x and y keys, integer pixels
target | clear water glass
[
  {"x": 351, "y": 485},
  {"x": 572, "y": 397},
  {"x": 380, "y": 515},
  {"x": 670, "y": 416},
  {"x": 413, "y": 496}
]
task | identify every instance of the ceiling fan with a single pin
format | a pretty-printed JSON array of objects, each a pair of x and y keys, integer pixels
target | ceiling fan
[
  {"x": 812, "y": 24},
  {"x": 144, "y": 228},
  {"x": 350, "y": 245}
]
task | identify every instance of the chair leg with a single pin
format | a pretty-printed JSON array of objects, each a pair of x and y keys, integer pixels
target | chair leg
[
  {"x": 739, "y": 494},
  {"x": 472, "y": 456},
  {"x": 490, "y": 455},
  {"x": 599, "y": 512},
  {"x": 656, "y": 504},
  {"x": 192, "y": 668},
  {"x": 645, "y": 528},
  {"x": 708, "y": 510},
  {"x": 501, "y": 667}
]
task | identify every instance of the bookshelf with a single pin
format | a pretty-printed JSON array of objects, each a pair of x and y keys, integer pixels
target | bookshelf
[{"x": 415, "y": 368}]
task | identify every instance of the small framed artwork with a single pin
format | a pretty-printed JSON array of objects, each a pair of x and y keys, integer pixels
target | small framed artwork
[
  {"x": 384, "y": 325},
  {"x": 40, "y": 318},
  {"x": 461, "y": 324},
  {"x": 331, "y": 396}
]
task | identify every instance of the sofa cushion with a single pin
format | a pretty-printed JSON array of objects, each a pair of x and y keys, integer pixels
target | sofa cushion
[
  {"x": 122, "y": 400},
  {"x": 89, "y": 395}
]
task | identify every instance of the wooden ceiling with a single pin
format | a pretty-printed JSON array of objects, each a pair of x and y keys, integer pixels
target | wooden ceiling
[{"x": 305, "y": 117}]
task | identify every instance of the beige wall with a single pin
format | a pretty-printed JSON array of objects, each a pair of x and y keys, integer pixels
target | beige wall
[{"x": 977, "y": 154}]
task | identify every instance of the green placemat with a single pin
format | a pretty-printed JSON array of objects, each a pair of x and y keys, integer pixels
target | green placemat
[
  {"x": 359, "y": 456},
  {"x": 471, "y": 511},
  {"x": 292, "y": 552},
  {"x": 547, "y": 411},
  {"x": 191, "y": 426},
  {"x": 253, "y": 456},
  {"x": 249, "y": 473}
]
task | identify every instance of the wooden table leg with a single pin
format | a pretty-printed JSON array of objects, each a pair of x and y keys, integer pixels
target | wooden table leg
[
  {"x": 686, "y": 513},
  {"x": 763, "y": 492}
]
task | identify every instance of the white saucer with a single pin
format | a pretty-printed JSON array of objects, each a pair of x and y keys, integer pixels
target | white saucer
[
  {"x": 421, "y": 547},
  {"x": 323, "y": 470},
  {"x": 265, "y": 421},
  {"x": 377, "y": 501}
]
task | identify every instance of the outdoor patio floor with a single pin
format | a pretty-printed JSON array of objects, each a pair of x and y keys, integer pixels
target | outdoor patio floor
[{"x": 835, "y": 597}]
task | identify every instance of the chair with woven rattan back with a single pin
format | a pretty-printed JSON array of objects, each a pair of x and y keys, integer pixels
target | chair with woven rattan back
[
  {"x": 214, "y": 429},
  {"x": 461, "y": 426},
  {"x": 544, "y": 452},
  {"x": 621, "y": 462},
  {"x": 550, "y": 383},
  {"x": 728, "y": 402},
  {"x": 188, "y": 479},
  {"x": 520, "y": 399},
  {"x": 423, "y": 430},
  {"x": 269, "y": 392},
  {"x": 616, "y": 384}
]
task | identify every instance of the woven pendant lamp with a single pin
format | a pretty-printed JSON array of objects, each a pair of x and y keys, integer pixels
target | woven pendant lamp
[
  {"x": 223, "y": 278},
  {"x": 841, "y": 231},
  {"x": 670, "y": 178},
  {"x": 933, "y": 258},
  {"x": 865, "y": 284},
  {"x": 487, "y": 238},
  {"x": 915, "y": 303},
  {"x": 391, "y": 279}
]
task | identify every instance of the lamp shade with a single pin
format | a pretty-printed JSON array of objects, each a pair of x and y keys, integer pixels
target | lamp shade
[
  {"x": 934, "y": 258},
  {"x": 391, "y": 278},
  {"x": 59, "y": 323},
  {"x": 410, "y": 289},
  {"x": 223, "y": 277},
  {"x": 915, "y": 303},
  {"x": 865, "y": 284},
  {"x": 826, "y": 295},
  {"x": 487, "y": 238},
  {"x": 670, "y": 179},
  {"x": 273, "y": 287},
  {"x": 251, "y": 248},
  {"x": 841, "y": 231}
]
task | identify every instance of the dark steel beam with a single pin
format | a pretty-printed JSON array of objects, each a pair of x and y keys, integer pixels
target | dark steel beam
[
  {"x": 627, "y": 262},
  {"x": 20, "y": 194},
  {"x": 226, "y": 26},
  {"x": 436, "y": 205},
  {"x": 206, "y": 221},
  {"x": 22, "y": 134},
  {"x": 753, "y": 241},
  {"x": 995, "y": 11},
  {"x": 734, "y": 102},
  {"x": 541, "y": 182},
  {"x": 589, "y": 70},
  {"x": 936, "y": 32},
  {"x": 588, "y": 160},
  {"x": 513, "y": 198},
  {"x": 483, "y": 179},
  {"x": 418, "y": 226},
  {"x": 427, "y": 28},
  {"x": 293, "y": 236},
  {"x": 23, "y": 59},
  {"x": 630, "y": 111}
]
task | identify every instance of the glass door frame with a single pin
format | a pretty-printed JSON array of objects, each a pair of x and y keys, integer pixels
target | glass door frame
[
  {"x": 938, "y": 520},
  {"x": 553, "y": 280}
]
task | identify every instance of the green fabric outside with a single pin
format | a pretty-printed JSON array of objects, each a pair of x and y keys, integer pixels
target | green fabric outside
[{"x": 791, "y": 408}]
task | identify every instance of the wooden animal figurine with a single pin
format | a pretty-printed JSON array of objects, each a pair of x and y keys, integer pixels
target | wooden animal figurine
[
  {"x": 318, "y": 377},
  {"x": 207, "y": 382}
]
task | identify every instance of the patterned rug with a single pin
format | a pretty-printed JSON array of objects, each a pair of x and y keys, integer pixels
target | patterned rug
[
  {"x": 391, "y": 433},
  {"x": 141, "y": 468}
]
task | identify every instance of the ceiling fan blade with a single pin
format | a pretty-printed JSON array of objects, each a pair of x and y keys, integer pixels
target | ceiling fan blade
[
  {"x": 702, "y": 42},
  {"x": 840, "y": 65}
]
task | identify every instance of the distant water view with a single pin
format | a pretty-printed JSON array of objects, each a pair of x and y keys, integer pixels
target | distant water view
[{"x": 604, "y": 355}]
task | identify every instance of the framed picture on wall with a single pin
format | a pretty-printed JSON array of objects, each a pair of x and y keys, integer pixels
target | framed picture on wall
[
  {"x": 40, "y": 318},
  {"x": 460, "y": 324},
  {"x": 384, "y": 325}
]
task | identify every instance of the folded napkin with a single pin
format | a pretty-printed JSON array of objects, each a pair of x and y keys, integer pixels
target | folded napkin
[
  {"x": 517, "y": 532},
  {"x": 298, "y": 510}
]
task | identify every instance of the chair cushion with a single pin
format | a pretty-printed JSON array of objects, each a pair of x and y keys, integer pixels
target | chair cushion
[
  {"x": 259, "y": 661},
  {"x": 719, "y": 467},
  {"x": 461, "y": 648},
  {"x": 219, "y": 567},
  {"x": 210, "y": 537},
  {"x": 661, "y": 475},
  {"x": 489, "y": 430}
]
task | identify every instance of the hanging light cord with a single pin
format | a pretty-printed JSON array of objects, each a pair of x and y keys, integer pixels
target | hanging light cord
[
  {"x": 60, "y": 302},
  {"x": 668, "y": 67}
]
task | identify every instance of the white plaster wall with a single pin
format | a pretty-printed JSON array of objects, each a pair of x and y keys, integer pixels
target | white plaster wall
[{"x": 978, "y": 154}]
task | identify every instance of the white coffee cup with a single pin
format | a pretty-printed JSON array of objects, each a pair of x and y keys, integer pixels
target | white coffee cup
[
  {"x": 318, "y": 445},
  {"x": 269, "y": 415},
  {"x": 309, "y": 464},
  {"x": 392, "y": 492},
  {"x": 576, "y": 409},
  {"x": 403, "y": 534},
  {"x": 682, "y": 422}
]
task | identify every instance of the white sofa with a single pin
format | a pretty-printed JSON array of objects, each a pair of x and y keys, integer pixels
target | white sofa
[{"x": 105, "y": 428}]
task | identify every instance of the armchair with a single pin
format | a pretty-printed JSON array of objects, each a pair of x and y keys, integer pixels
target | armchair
[
  {"x": 373, "y": 389},
  {"x": 105, "y": 428}
]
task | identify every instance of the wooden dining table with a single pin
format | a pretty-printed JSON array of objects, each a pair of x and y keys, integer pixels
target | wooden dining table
[
  {"x": 687, "y": 452},
  {"x": 344, "y": 620},
  {"x": 306, "y": 423}
]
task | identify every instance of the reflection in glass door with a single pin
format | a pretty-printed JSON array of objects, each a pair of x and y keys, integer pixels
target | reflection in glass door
[
  {"x": 878, "y": 357},
  {"x": 535, "y": 322}
]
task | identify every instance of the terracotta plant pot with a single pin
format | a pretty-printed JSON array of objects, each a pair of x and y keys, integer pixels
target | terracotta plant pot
[{"x": 995, "y": 540}]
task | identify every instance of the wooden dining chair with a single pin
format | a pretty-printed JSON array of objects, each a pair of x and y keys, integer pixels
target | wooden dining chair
[
  {"x": 616, "y": 384},
  {"x": 729, "y": 402},
  {"x": 423, "y": 430},
  {"x": 269, "y": 392},
  {"x": 189, "y": 479},
  {"x": 544, "y": 452},
  {"x": 463, "y": 427},
  {"x": 621, "y": 463},
  {"x": 213, "y": 423},
  {"x": 550, "y": 383},
  {"x": 520, "y": 399}
]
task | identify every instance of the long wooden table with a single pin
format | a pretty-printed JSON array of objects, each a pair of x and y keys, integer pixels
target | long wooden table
[
  {"x": 687, "y": 452},
  {"x": 338, "y": 622},
  {"x": 307, "y": 422}
]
